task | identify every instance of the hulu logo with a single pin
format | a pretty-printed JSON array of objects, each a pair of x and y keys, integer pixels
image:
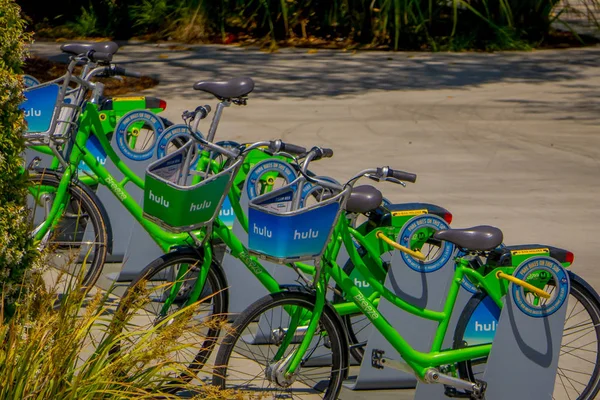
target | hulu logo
[
  {"x": 305, "y": 235},
  {"x": 486, "y": 327},
  {"x": 33, "y": 113},
  {"x": 226, "y": 212},
  {"x": 361, "y": 284},
  {"x": 197, "y": 207},
  {"x": 262, "y": 231},
  {"x": 158, "y": 200}
]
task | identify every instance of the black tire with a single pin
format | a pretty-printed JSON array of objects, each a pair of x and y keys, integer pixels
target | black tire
[
  {"x": 70, "y": 241},
  {"x": 201, "y": 332},
  {"x": 581, "y": 294},
  {"x": 335, "y": 368}
]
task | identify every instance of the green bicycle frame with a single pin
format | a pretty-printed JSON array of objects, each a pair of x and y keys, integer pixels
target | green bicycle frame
[{"x": 418, "y": 361}]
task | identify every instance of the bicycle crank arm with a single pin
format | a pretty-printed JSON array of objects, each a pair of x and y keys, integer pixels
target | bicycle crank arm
[
  {"x": 378, "y": 361},
  {"x": 477, "y": 390}
]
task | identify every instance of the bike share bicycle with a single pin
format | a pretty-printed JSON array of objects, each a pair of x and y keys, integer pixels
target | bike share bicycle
[
  {"x": 75, "y": 222},
  {"x": 304, "y": 349},
  {"x": 173, "y": 280},
  {"x": 52, "y": 111}
]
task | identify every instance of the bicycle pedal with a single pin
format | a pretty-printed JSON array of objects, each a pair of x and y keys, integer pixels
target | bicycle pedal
[
  {"x": 451, "y": 392},
  {"x": 377, "y": 360}
]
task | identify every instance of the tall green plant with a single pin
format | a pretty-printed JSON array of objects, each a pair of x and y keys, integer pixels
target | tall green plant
[
  {"x": 16, "y": 247},
  {"x": 51, "y": 350}
]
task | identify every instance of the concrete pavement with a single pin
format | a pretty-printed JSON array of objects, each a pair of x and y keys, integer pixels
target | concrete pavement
[{"x": 506, "y": 139}]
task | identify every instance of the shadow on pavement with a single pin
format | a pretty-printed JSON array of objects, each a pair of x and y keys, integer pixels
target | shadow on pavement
[{"x": 296, "y": 73}]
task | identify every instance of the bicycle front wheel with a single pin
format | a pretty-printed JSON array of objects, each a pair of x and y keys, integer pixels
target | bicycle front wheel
[
  {"x": 245, "y": 361},
  {"x": 143, "y": 308},
  {"x": 78, "y": 244},
  {"x": 578, "y": 374}
]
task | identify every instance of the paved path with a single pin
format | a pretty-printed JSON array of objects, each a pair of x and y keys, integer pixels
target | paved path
[{"x": 507, "y": 139}]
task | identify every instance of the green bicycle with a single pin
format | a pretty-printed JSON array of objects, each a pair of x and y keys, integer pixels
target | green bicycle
[
  {"x": 53, "y": 110},
  {"x": 294, "y": 343},
  {"x": 177, "y": 279},
  {"x": 73, "y": 222}
]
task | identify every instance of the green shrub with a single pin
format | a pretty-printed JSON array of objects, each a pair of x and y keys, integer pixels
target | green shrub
[
  {"x": 16, "y": 247},
  {"x": 395, "y": 24},
  {"x": 86, "y": 24}
]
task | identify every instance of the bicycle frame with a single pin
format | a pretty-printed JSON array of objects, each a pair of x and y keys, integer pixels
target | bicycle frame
[
  {"x": 416, "y": 361},
  {"x": 90, "y": 124}
]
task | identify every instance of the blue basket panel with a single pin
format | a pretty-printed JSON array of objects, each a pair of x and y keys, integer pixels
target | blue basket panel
[
  {"x": 39, "y": 107},
  {"x": 299, "y": 235}
]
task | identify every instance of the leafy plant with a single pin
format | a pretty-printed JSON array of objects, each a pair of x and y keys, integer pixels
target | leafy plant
[
  {"x": 86, "y": 24},
  {"x": 150, "y": 14},
  {"x": 16, "y": 248}
]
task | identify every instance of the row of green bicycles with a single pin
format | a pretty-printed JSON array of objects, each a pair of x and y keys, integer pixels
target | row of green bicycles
[{"x": 304, "y": 339}]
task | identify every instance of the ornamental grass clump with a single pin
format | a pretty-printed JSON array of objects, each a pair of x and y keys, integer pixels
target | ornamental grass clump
[{"x": 61, "y": 349}]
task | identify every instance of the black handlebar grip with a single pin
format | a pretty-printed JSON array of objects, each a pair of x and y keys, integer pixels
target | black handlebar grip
[
  {"x": 292, "y": 148},
  {"x": 402, "y": 176},
  {"x": 203, "y": 111},
  {"x": 116, "y": 70},
  {"x": 327, "y": 153},
  {"x": 132, "y": 74},
  {"x": 100, "y": 56}
]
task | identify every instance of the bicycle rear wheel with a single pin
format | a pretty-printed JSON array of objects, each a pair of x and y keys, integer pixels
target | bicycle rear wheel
[
  {"x": 246, "y": 354},
  {"x": 578, "y": 375},
  {"x": 78, "y": 244}
]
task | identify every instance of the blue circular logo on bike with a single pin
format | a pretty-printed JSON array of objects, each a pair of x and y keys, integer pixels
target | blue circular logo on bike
[
  {"x": 309, "y": 188},
  {"x": 540, "y": 270},
  {"x": 171, "y": 134},
  {"x": 281, "y": 167},
  {"x": 145, "y": 118},
  {"x": 437, "y": 256},
  {"x": 30, "y": 81}
]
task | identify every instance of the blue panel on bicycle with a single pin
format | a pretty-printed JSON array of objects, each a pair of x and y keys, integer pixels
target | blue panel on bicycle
[
  {"x": 227, "y": 215},
  {"x": 95, "y": 148},
  {"x": 296, "y": 235},
  {"x": 39, "y": 107}
]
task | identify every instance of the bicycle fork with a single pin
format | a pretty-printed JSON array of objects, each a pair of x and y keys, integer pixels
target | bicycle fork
[{"x": 283, "y": 371}]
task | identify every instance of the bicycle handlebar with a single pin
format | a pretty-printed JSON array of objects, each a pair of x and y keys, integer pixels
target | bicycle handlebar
[
  {"x": 120, "y": 71},
  {"x": 277, "y": 146},
  {"x": 387, "y": 172},
  {"x": 322, "y": 153},
  {"x": 98, "y": 56}
]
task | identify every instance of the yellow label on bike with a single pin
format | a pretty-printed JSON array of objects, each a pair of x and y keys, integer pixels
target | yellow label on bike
[
  {"x": 140, "y": 98},
  {"x": 407, "y": 213},
  {"x": 528, "y": 252}
]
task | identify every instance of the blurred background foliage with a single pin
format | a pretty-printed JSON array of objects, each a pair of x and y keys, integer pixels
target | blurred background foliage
[{"x": 393, "y": 24}]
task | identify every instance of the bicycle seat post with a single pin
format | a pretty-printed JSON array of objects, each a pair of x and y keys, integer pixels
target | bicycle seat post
[{"x": 216, "y": 118}]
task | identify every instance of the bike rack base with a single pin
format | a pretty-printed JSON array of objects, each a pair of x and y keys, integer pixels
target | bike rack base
[{"x": 525, "y": 347}]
